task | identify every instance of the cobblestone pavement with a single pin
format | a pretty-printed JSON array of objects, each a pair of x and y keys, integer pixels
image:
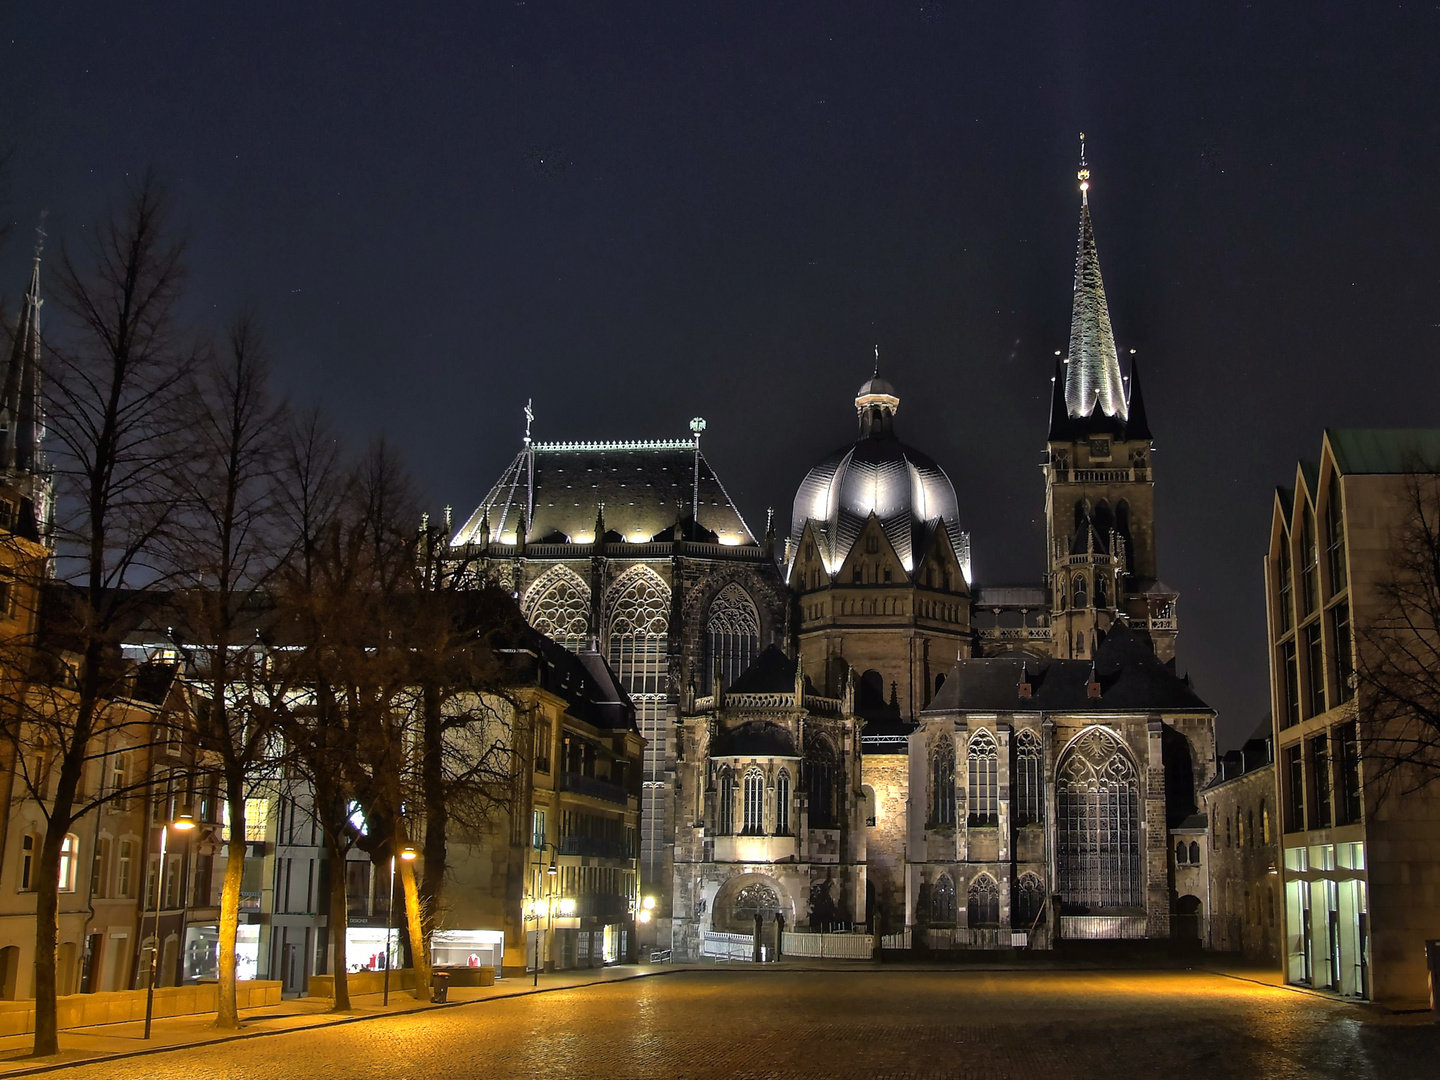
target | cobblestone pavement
[{"x": 895, "y": 1025}]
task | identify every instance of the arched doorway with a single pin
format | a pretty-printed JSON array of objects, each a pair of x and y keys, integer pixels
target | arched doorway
[
  {"x": 1186, "y": 927},
  {"x": 757, "y": 906}
]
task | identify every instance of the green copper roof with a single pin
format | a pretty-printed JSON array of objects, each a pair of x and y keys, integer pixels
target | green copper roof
[{"x": 1385, "y": 450}]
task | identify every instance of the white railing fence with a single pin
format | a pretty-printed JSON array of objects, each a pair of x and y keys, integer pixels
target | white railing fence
[
  {"x": 830, "y": 946},
  {"x": 728, "y": 946}
]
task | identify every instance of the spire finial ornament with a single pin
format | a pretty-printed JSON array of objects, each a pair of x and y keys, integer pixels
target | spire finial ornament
[
  {"x": 1084, "y": 174},
  {"x": 877, "y": 363},
  {"x": 529, "y": 418}
]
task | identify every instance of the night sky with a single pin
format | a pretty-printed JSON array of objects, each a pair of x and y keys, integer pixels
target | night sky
[{"x": 637, "y": 215}]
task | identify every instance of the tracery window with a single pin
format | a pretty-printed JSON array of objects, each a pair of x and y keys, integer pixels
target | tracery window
[
  {"x": 982, "y": 906},
  {"x": 755, "y": 900},
  {"x": 1029, "y": 784},
  {"x": 1081, "y": 596},
  {"x": 1029, "y": 901},
  {"x": 984, "y": 787},
  {"x": 782, "y": 803},
  {"x": 942, "y": 782},
  {"x": 725, "y": 803},
  {"x": 732, "y": 636},
  {"x": 754, "y": 802},
  {"x": 558, "y": 605},
  {"x": 1098, "y": 824},
  {"x": 1102, "y": 591},
  {"x": 637, "y": 613},
  {"x": 825, "y": 796},
  {"x": 942, "y": 900}
]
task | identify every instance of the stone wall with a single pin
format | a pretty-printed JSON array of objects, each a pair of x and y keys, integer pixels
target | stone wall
[
  {"x": 1243, "y": 857},
  {"x": 887, "y": 776}
]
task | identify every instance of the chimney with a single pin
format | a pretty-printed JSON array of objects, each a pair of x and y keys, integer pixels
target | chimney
[
  {"x": 1025, "y": 688},
  {"x": 1092, "y": 688}
]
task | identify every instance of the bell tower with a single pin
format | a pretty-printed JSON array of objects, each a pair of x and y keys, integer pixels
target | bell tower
[{"x": 1099, "y": 482}]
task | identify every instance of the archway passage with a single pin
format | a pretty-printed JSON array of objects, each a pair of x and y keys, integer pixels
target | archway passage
[{"x": 1186, "y": 927}]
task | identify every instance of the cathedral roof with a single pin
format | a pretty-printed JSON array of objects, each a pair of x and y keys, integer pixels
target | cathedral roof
[
  {"x": 772, "y": 672},
  {"x": 1131, "y": 679},
  {"x": 642, "y": 488},
  {"x": 755, "y": 738},
  {"x": 878, "y": 474}
]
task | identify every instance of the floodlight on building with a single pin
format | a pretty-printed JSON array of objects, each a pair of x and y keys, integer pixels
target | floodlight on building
[
  {"x": 183, "y": 822},
  {"x": 408, "y": 853},
  {"x": 567, "y": 906}
]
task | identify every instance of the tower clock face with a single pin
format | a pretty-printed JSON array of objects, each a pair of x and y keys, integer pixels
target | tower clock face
[{"x": 1099, "y": 448}]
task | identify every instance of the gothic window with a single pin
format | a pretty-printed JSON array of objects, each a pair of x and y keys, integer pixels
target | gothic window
[
  {"x": 637, "y": 614},
  {"x": 558, "y": 605},
  {"x": 982, "y": 906},
  {"x": 1061, "y": 594},
  {"x": 942, "y": 782},
  {"x": 1195, "y": 852},
  {"x": 824, "y": 794},
  {"x": 1098, "y": 824},
  {"x": 732, "y": 636},
  {"x": 984, "y": 784},
  {"x": 782, "y": 803},
  {"x": 1077, "y": 587},
  {"x": 754, "y": 802},
  {"x": 1028, "y": 785},
  {"x": 942, "y": 901},
  {"x": 725, "y": 803},
  {"x": 1029, "y": 901},
  {"x": 1181, "y": 852},
  {"x": 1102, "y": 591}
]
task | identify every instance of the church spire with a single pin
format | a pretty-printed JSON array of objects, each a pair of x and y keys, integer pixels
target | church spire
[
  {"x": 21, "y": 416},
  {"x": 1092, "y": 377}
]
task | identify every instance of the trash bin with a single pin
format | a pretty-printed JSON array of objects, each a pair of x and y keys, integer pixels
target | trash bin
[
  {"x": 1432, "y": 965},
  {"x": 439, "y": 988}
]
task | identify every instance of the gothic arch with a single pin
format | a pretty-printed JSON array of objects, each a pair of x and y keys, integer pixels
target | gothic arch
[
  {"x": 982, "y": 905},
  {"x": 638, "y": 604},
  {"x": 732, "y": 636},
  {"x": 1097, "y": 823},
  {"x": 558, "y": 605}
]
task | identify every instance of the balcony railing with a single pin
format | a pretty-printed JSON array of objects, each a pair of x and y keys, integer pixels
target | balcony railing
[{"x": 594, "y": 787}]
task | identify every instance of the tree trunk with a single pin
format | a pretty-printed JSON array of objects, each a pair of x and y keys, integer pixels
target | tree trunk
[
  {"x": 46, "y": 880},
  {"x": 339, "y": 919},
  {"x": 420, "y": 955},
  {"x": 227, "y": 1015}
]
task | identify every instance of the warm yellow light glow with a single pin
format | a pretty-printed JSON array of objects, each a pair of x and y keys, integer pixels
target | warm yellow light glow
[
  {"x": 644, "y": 916},
  {"x": 639, "y": 538},
  {"x": 407, "y": 854},
  {"x": 567, "y": 906},
  {"x": 648, "y": 903},
  {"x": 183, "y": 822}
]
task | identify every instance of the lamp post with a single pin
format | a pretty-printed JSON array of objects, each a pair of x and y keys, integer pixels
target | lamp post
[
  {"x": 182, "y": 823},
  {"x": 408, "y": 854},
  {"x": 550, "y": 873}
]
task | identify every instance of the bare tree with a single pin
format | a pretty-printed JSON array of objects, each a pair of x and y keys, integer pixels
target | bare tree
[
  {"x": 118, "y": 422},
  {"x": 232, "y": 549},
  {"x": 1398, "y": 658}
]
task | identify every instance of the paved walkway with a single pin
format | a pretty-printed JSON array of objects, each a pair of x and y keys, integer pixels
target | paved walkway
[{"x": 103, "y": 1041}]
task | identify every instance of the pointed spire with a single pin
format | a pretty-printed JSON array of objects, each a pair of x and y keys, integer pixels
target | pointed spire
[
  {"x": 485, "y": 527},
  {"x": 1137, "y": 424},
  {"x": 1093, "y": 375},
  {"x": 21, "y": 416},
  {"x": 1059, "y": 414}
]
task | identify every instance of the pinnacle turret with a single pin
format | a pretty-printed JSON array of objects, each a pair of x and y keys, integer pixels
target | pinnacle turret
[{"x": 21, "y": 415}]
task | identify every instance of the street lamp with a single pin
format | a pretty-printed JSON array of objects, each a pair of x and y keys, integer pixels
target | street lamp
[
  {"x": 408, "y": 854},
  {"x": 182, "y": 823},
  {"x": 551, "y": 872}
]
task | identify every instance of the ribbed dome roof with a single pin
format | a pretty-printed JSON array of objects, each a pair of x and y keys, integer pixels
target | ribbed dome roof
[{"x": 878, "y": 474}]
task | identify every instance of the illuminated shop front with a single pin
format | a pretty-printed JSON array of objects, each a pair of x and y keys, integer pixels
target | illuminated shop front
[
  {"x": 365, "y": 947},
  {"x": 202, "y": 952},
  {"x": 468, "y": 948}
]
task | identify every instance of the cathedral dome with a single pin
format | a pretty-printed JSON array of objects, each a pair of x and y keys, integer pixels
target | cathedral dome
[{"x": 878, "y": 474}]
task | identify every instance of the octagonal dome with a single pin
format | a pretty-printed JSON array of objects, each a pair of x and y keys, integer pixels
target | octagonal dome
[{"x": 879, "y": 474}]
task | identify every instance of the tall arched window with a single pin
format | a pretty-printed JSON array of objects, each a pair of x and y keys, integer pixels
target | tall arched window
[
  {"x": 821, "y": 770},
  {"x": 1029, "y": 901},
  {"x": 732, "y": 637},
  {"x": 637, "y": 614},
  {"x": 1102, "y": 590},
  {"x": 782, "y": 803},
  {"x": 984, "y": 779},
  {"x": 942, "y": 901},
  {"x": 754, "y": 802},
  {"x": 558, "y": 605},
  {"x": 1098, "y": 824},
  {"x": 982, "y": 906},
  {"x": 1028, "y": 784},
  {"x": 942, "y": 782},
  {"x": 1077, "y": 586},
  {"x": 725, "y": 802}
]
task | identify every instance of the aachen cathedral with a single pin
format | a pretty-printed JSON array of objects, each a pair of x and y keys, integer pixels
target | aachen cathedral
[{"x": 843, "y": 727}]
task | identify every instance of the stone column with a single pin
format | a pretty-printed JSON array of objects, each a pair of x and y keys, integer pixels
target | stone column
[{"x": 1156, "y": 839}]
